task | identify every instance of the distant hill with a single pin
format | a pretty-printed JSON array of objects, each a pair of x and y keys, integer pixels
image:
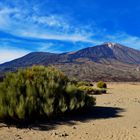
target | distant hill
[{"x": 108, "y": 61}]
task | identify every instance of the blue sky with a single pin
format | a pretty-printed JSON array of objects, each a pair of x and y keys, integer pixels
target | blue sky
[{"x": 62, "y": 26}]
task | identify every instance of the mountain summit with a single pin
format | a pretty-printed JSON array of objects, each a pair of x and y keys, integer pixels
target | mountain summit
[
  {"x": 101, "y": 61},
  {"x": 110, "y": 51}
]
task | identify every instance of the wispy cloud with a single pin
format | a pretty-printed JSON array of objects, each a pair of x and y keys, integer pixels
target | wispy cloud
[
  {"x": 125, "y": 39},
  {"x": 7, "y": 54},
  {"x": 24, "y": 23},
  {"x": 30, "y": 23}
]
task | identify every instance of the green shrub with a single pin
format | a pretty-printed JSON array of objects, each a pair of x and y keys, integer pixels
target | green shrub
[
  {"x": 87, "y": 89},
  {"x": 83, "y": 83},
  {"x": 38, "y": 92},
  {"x": 101, "y": 84},
  {"x": 91, "y": 90}
]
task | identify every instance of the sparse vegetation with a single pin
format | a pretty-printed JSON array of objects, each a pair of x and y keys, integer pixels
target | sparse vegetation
[
  {"x": 89, "y": 88},
  {"x": 94, "y": 72},
  {"x": 101, "y": 84},
  {"x": 83, "y": 83},
  {"x": 92, "y": 90},
  {"x": 37, "y": 92}
]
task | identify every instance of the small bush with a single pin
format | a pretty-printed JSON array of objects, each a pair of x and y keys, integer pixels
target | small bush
[
  {"x": 91, "y": 90},
  {"x": 83, "y": 83},
  {"x": 87, "y": 89},
  {"x": 39, "y": 92},
  {"x": 101, "y": 84}
]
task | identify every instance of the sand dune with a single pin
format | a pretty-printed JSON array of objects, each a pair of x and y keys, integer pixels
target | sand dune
[{"x": 115, "y": 117}]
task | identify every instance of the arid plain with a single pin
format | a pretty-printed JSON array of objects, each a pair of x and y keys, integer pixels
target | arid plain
[{"x": 116, "y": 116}]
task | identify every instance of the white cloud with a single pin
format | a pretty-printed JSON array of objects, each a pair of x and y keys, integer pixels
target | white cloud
[
  {"x": 52, "y": 20},
  {"x": 75, "y": 37},
  {"x": 125, "y": 39},
  {"x": 22, "y": 23},
  {"x": 5, "y": 17},
  {"x": 45, "y": 46},
  {"x": 10, "y": 54}
]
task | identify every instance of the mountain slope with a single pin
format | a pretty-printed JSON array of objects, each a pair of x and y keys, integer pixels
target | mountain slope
[
  {"x": 108, "y": 61},
  {"x": 110, "y": 51}
]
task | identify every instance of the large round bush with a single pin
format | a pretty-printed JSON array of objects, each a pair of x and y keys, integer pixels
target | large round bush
[{"x": 38, "y": 92}]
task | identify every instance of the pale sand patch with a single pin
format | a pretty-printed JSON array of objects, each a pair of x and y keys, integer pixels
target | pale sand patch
[{"x": 118, "y": 118}]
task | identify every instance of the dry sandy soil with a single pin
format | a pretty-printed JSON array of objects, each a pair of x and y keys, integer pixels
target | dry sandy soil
[{"x": 115, "y": 117}]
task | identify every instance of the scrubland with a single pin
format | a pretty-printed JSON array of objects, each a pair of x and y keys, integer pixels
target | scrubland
[{"x": 116, "y": 116}]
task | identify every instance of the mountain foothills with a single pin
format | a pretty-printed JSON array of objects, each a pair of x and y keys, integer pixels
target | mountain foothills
[{"x": 108, "y": 62}]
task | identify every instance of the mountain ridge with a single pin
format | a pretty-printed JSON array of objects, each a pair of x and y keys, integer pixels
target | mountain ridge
[{"x": 105, "y": 57}]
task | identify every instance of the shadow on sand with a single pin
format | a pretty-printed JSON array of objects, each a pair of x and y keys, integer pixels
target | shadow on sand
[{"x": 92, "y": 113}]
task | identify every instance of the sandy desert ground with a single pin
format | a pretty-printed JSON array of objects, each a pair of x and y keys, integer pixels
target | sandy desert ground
[{"x": 115, "y": 117}]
